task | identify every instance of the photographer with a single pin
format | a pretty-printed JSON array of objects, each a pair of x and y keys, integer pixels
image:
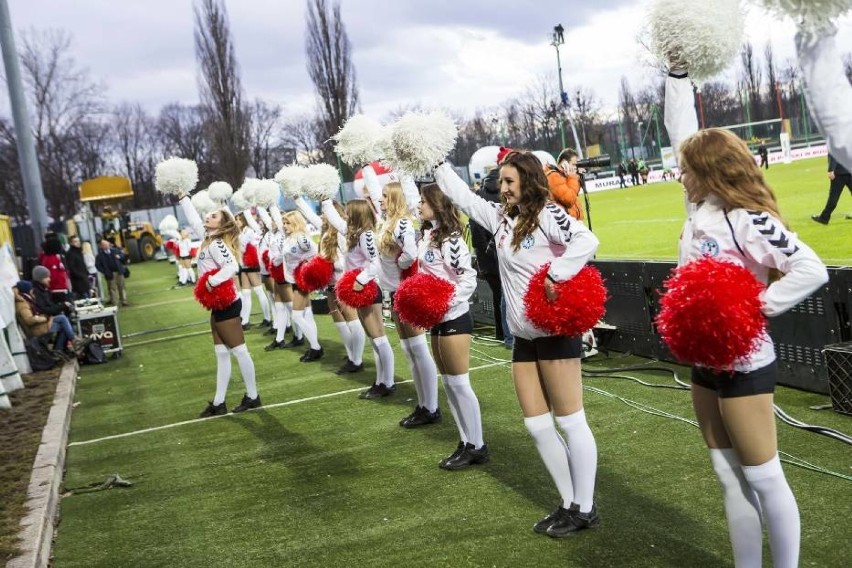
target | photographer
[{"x": 564, "y": 183}]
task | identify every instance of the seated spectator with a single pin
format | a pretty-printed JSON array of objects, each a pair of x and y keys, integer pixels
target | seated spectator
[
  {"x": 37, "y": 324},
  {"x": 45, "y": 301}
]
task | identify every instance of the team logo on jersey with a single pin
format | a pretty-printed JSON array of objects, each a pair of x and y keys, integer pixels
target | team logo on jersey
[
  {"x": 709, "y": 247},
  {"x": 429, "y": 256},
  {"x": 528, "y": 242},
  {"x": 293, "y": 250}
]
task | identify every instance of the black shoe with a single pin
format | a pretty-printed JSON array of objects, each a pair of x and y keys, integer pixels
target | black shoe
[
  {"x": 469, "y": 456},
  {"x": 246, "y": 326},
  {"x": 312, "y": 355},
  {"x": 377, "y": 391},
  {"x": 544, "y": 524},
  {"x": 572, "y": 520},
  {"x": 213, "y": 410},
  {"x": 248, "y": 403},
  {"x": 274, "y": 345},
  {"x": 349, "y": 367},
  {"x": 295, "y": 342},
  {"x": 819, "y": 219},
  {"x": 423, "y": 418},
  {"x": 417, "y": 411},
  {"x": 452, "y": 456},
  {"x": 265, "y": 323},
  {"x": 271, "y": 331}
]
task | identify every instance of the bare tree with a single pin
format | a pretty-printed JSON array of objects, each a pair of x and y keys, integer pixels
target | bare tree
[
  {"x": 331, "y": 69},
  {"x": 12, "y": 197},
  {"x": 182, "y": 132},
  {"x": 751, "y": 78},
  {"x": 303, "y": 133},
  {"x": 265, "y": 120},
  {"x": 138, "y": 149},
  {"x": 772, "y": 95},
  {"x": 221, "y": 92}
]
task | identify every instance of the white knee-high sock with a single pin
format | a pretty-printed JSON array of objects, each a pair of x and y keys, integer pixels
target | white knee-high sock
[
  {"x": 245, "y": 310},
  {"x": 426, "y": 369},
  {"x": 385, "y": 355},
  {"x": 454, "y": 409},
  {"x": 191, "y": 273},
  {"x": 261, "y": 298},
  {"x": 378, "y": 361},
  {"x": 468, "y": 406},
  {"x": 779, "y": 511},
  {"x": 181, "y": 274},
  {"x": 345, "y": 337},
  {"x": 308, "y": 327},
  {"x": 741, "y": 508},
  {"x": 223, "y": 372},
  {"x": 552, "y": 452},
  {"x": 583, "y": 458},
  {"x": 246, "y": 364},
  {"x": 273, "y": 314},
  {"x": 412, "y": 367},
  {"x": 297, "y": 331},
  {"x": 359, "y": 338},
  {"x": 282, "y": 320}
]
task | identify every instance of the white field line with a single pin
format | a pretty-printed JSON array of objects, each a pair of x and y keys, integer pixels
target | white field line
[{"x": 265, "y": 407}]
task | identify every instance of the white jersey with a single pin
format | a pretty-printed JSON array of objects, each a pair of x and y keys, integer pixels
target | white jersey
[
  {"x": 297, "y": 248},
  {"x": 759, "y": 242},
  {"x": 362, "y": 254},
  {"x": 450, "y": 261},
  {"x": 566, "y": 243},
  {"x": 185, "y": 248},
  {"x": 387, "y": 269},
  {"x": 247, "y": 237},
  {"x": 214, "y": 256}
]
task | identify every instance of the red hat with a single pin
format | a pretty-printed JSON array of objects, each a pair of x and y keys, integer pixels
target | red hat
[{"x": 502, "y": 153}]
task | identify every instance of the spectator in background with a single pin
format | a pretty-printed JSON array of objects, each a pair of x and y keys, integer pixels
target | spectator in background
[
  {"x": 45, "y": 301},
  {"x": 643, "y": 171},
  {"x": 52, "y": 258},
  {"x": 91, "y": 269},
  {"x": 36, "y": 324},
  {"x": 633, "y": 169},
  {"x": 621, "y": 171},
  {"x": 111, "y": 262},
  {"x": 77, "y": 268},
  {"x": 840, "y": 178},
  {"x": 564, "y": 183},
  {"x": 763, "y": 152}
]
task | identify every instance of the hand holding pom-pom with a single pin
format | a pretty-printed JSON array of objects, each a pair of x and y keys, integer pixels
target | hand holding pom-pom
[
  {"x": 359, "y": 141},
  {"x": 289, "y": 178},
  {"x": 215, "y": 297},
  {"x": 347, "y": 294},
  {"x": 220, "y": 191},
  {"x": 176, "y": 176},
  {"x": 423, "y": 300},
  {"x": 418, "y": 142},
  {"x": 568, "y": 308},
  {"x": 320, "y": 182},
  {"x": 315, "y": 274}
]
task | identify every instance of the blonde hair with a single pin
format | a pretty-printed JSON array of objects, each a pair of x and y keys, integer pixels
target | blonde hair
[
  {"x": 328, "y": 241},
  {"x": 721, "y": 164},
  {"x": 227, "y": 231},
  {"x": 359, "y": 218},
  {"x": 395, "y": 209},
  {"x": 297, "y": 220},
  {"x": 87, "y": 247}
]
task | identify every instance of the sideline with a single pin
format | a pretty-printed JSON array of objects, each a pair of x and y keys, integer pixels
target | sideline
[{"x": 264, "y": 407}]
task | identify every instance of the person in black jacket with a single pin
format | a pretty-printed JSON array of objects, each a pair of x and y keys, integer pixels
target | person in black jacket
[
  {"x": 633, "y": 168},
  {"x": 111, "y": 262},
  {"x": 76, "y": 265},
  {"x": 763, "y": 152},
  {"x": 840, "y": 178}
]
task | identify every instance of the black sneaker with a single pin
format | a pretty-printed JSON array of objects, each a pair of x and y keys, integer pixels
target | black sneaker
[
  {"x": 572, "y": 521},
  {"x": 819, "y": 219},
  {"x": 544, "y": 524},
  {"x": 295, "y": 342},
  {"x": 423, "y": 418},
  {"x": 274, "y": 345},
  {"x": 246, "y": 326},
  {"x": 312, "y": 355},
  {"x": 416, "y": 412},
  {"x": 271, "y": 331},
  {"x": 378, "y": 391},
  {"x": 349, "y": 367},
  {"x": 248, "y": 403},
  {"x": 213, "y": 410},
  {"x": 265, "y": 323},
  {"x": 454, "y": 455},
  {"x": 469, "y": 456}
]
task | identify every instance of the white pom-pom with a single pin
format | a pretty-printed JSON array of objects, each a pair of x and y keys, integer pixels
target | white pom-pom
[
  {"x": 266, "y": 192},
  {"x": 203, "y": 204},
  {"x": 290, "y": 180},
  {"x": 359, "y": 141},
  {"x": 239, "y": 201},
  {"x": 176, "y": 176},
  {"x": 248, "y": 188},
  {"x": 420, "y": 141},
  {"x": 220, "y": 191},
  {"x": 321, "y": 181},
  {"x": 811, "y": 15},
  {"x": 702, "y": 37},
  {"x": 169, "y": 224}
]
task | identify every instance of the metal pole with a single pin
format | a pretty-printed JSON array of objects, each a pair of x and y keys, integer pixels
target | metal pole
[
  {"x": 561, "y": 95},
  {"x": 805, "y": 118},
  {"x": 659, "y": 138},
  {"x": 23, "y": 133},
  {"x": 564, "y": 99},
  {"x": 340, "y": 173}
]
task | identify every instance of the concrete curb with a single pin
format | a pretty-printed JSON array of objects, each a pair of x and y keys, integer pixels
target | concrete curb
[{"x": 43, "y": 492}]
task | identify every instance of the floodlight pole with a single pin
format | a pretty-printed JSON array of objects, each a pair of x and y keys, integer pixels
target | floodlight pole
[{"x": 558, "y": 39}]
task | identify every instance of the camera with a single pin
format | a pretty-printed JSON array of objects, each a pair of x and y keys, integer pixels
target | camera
[{"x": 602, "y": 161}]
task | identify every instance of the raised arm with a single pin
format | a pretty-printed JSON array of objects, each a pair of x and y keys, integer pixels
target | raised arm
[
  {"x": 193, "y": 219},
  {"x": 308, "y": 212},
  {"x": 251, "y": 222},
  {"x": 334, "y": 218},
  {"x": 680, "y": 118},
  {"x": 483, "y": 212},
  {"x": 374, "y": 189},
  {"x": 412, "y": 195}
]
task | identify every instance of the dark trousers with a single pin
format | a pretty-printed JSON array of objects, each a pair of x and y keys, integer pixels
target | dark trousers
[
  {"x": 634, "y": 178},
  {"x": 834, "y": 191},
  {"x": 496, "y": 286},
  {"x": 764, "y": 162}
]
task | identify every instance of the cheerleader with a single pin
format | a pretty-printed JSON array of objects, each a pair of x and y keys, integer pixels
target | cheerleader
[
  {"x": 443, "y": 253},
  {"x": 397, "y": 252},
  {"x": 361, "y": 243},
  {"x": 266, "y": 279},
  {"x": 332, "y": 247},
  {"x": 219, "y": 253},
  {"x": 185, "y": 271},
  {"x": 250, "y": 268},
  {"x": 528, "y": 233},
  {"x": 297, "y": 249},
  {"x": 283, "y": 289}
]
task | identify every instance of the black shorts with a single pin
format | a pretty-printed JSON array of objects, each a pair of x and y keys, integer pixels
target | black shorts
[
  {"x": 379, "y": 299},
  {"x": 247, "y": 269},
  {"x": 550, "y": 348},
  {"x": 731, "y": 384},
  {"x": 232, "y": 311},
  {"x": 186, "y": 257},
  {"x": 462, "y": 325}
]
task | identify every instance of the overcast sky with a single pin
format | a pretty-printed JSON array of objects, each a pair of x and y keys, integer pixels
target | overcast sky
[{"x": 463, "y": 54}]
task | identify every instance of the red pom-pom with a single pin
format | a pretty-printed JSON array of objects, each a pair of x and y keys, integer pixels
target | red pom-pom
[
  {"x": 347, "y": 295},
  {"x": 710, "y": 313},
  {"x": 314, "y": 274},
  {"x": 250, "y": 257},
  {"x": 423, "y": 300},
  {"x": 266, "y": 262},
  {"x": 220, "y": 297},
  {"x": 171, "y": 247},
  {"x": 410, "y": 271},
  {"x": 578, "y": 308},
  {"x": 193, "y": 252},
  {"x": 277, "y": 272}
]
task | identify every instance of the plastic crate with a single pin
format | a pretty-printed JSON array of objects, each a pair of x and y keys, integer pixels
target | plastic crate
[{"x": 838, "y": 361}]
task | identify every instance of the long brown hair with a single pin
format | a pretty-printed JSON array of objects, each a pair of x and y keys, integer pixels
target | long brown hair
[
  {"x": 534, "y": 194},
  {"x": 395, "y": 209},
  {"x": 446, "y": 214},
  {"x": 328, "y": 241},
  {"x": 228, "y": 232},
  {"x": 359, "y": 218},
  {"x": 720, "y": 163}
]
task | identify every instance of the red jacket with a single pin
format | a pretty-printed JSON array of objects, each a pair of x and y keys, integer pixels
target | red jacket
[{"x": 59, "y": 280}]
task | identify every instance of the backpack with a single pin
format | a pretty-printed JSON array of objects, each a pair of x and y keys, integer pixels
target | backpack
[
  {"x": 41, "y": 358},
  {"x": 92, "y": 353}
]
